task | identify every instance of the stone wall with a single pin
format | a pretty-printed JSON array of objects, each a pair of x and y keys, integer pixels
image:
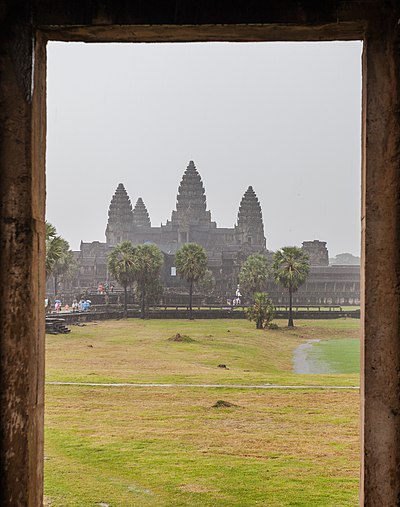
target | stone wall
[{"x": 26, "y": 25}]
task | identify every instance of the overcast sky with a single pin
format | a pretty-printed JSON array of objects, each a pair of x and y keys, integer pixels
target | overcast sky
[{"x": 282, "y": 117}]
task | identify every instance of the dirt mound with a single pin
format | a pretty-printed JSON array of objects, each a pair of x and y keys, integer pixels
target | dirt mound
[
  {"x": 180, "y": 338},
  {"x": 224, "y": 404}
]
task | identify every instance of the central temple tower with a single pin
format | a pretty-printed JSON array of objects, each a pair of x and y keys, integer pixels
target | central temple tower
[{"x": 191, "y": 205}]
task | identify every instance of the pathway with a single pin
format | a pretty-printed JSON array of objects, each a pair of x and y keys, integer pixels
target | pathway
[{"x": 218, "y": 386}]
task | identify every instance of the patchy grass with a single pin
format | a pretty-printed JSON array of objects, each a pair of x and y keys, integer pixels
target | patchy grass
[
  {"x": 162, "y": 447},
  {"x": 139, "y": 351}
]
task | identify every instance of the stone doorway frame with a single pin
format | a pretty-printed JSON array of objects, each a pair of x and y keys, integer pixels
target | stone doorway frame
[{"x": 22, "y": 162}]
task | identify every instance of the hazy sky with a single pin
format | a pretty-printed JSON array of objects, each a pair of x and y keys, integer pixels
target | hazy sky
[{"x": 282, "y": 117}]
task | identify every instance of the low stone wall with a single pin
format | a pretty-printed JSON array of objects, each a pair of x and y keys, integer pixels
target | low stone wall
[{"x": 77, "y": 317}]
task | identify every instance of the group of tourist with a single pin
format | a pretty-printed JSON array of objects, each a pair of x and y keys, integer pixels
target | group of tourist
[
  {"x": 105, "y": 289},
  {"x": 83, "y": 305}
]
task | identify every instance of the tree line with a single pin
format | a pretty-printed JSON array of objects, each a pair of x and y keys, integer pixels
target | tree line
[
  {"x": 140, "y": 267},
  {"x": 290, "y": 267}
]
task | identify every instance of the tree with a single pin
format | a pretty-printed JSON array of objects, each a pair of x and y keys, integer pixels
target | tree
[
  {"x": 65, "y": 266},
  {"x": 206, "y": 284},
  {"x": 254, "y": 274},
  {"x": 191, "y": 265},
  {"x": 121, "y": 265},
  {"x": 147, "y": 263},
  {"x": 290, "y": 266},
  {"x": 262, "y": 310},
  {"x": 60, "y": 260},
  {"x": 152, "y": 294},
  {"x": 54, "y": 248}
]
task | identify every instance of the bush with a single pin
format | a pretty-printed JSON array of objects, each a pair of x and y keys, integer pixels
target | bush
[{"x": 262, "y": 311}]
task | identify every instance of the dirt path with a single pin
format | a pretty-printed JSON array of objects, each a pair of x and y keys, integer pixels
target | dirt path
[{"x": 217, "y": 386}]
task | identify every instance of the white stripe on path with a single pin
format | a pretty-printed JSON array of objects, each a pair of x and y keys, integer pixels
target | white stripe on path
[{"x": 218, "y": 386}]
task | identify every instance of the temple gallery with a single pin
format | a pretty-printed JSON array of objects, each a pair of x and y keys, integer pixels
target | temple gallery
[{"x": 227, "y": 248}]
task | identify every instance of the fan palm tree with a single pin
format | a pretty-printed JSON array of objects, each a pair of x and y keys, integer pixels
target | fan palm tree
[
  {"x": 56, "y": 248},
  {"x": 254, "y": 274},
  {"x": 290, "y": 266},
  {"x": 121, "y": 265},
  {"x": 191, "y": 265},
  {"x": 65, "y": 266},
  {"x": 147, "y": 264}
]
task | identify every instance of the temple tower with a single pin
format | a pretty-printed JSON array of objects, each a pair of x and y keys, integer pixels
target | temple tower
[
  {"x": 120, "y": 217},
  {"x": 249, "y": 230},
  {"x": 317, "y": 252},
  {"x": 191, "y": 206},
  {"x": 141, "y": 216}
]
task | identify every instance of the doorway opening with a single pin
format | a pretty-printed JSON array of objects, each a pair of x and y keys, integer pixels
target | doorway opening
[{"x": 229, "y": 159}]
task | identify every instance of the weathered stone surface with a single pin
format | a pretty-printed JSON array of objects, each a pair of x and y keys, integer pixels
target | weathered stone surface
[
  {"x": 22, "y": 145},
  {"x": 22, "y": 149},
  {"x": 317, "y": 252}
]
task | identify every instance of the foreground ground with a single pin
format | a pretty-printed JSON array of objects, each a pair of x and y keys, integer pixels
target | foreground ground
[{"x": 170, "y": 446}]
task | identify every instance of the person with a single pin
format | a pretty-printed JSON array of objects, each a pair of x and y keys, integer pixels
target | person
[
  {"x": 74, "y": 305},
  {"x": 238, "y": 296},
  {"x": 57, "y": 305}
]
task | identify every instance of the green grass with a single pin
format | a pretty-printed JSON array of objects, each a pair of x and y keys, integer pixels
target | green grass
[
  {"x": 140, "y": 351},
  {"x": 340, "y": 355},
  {"x": 162, "y": 447}
]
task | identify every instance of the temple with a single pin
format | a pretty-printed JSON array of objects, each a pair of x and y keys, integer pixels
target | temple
[
  {"x": 227, "y": 248},
  {"x": 190, "y": 223}
]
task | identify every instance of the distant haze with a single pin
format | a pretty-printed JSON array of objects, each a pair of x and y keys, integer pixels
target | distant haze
[{"x": 282, "y": 117}]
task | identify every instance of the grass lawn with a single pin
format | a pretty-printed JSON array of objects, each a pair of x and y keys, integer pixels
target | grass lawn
[
  {"x": 139, "y": 351},
  {"x": 341, "y": 355},
  {"x": 131, "y": 446}
]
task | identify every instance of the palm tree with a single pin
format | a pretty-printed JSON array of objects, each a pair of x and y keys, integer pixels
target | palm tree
[
  {"x": 65, "y": 265},
  {"x": 121, "y": 265},
  {"x": 60, "y": 260},
  {"x": 54, "y": 248},
  {"x": 191, "y": 264},
  {"x": 290, "y": 266},
  {"x": 254, "y": 274},
  {"x": 206, "y": 284},
  {"x": 147, "y": 264}
]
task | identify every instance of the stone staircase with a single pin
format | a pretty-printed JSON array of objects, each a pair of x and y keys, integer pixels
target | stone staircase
[{"x": 55, "y": 325}]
